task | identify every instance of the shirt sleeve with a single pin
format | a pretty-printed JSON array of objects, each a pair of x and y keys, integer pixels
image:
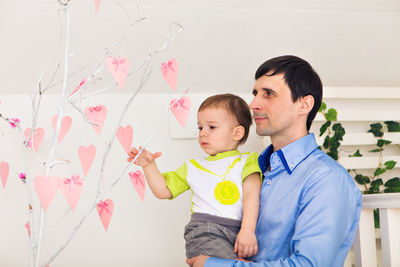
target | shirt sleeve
[
  {"x": 321, "y": 227},
  {"x": 251, "y": 166},
  {"x": 177, "y": 181}
]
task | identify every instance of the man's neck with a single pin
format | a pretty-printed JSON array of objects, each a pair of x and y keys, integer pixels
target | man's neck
[{"x": 281, "y": 141}]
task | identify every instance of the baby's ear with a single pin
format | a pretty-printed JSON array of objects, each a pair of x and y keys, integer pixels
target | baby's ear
[{"x": 238, "y": 133}]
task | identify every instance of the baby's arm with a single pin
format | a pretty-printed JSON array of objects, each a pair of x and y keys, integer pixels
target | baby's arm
[
  {"x": 246, "y": 241},
  {"x": 154, "y": 177}
]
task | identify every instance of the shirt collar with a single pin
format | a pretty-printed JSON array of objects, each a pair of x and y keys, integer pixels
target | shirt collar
[
  {"x": 291, "y": 155},
  {"x": 223, "y": 155}
]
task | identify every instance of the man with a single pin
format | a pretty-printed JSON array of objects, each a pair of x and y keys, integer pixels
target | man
[{"x": 309, "y": 204}]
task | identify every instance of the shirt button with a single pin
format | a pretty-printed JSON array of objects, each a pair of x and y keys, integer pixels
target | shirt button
[
  {"x": 269, "y": 182},
  {"x": 291, "y": 165}
]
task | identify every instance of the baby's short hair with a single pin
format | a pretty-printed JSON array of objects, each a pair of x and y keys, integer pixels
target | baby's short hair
[{"x": 235, "y": 105}]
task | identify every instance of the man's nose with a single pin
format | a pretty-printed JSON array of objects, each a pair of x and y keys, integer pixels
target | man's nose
[{"x": 254, "y": 104}]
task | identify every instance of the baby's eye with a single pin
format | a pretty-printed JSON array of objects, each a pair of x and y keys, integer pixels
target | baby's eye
[
  {"x": 213, "y": 127},
  {"x": 200, "y": 128}
]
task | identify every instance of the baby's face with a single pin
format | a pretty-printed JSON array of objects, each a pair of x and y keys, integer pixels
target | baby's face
[{"x": 216, "y": 130}]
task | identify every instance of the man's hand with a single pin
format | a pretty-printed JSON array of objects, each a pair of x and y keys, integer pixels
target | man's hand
[
  {"x": 145, "y": 158},
  {"x": 246, "y": 244},
  {"x": 198, "y": 261}
]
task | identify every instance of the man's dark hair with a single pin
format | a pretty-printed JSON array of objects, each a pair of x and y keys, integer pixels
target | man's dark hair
[
  {"x": 299, "y": 76},
  {"x": 233, "y": 104}
]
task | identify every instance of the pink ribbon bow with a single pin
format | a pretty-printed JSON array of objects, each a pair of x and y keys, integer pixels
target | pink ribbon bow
[
  {"x": 166, "y": 66},
  {"x": 178, "y": 104},
  {"x": 95, "y": 109},
  {"x": 117, "y": 62},
  {"x": 136, "y": 175},
  {"x": 103, "y": 206},
  {"x": 13, "y": 122},
  {"x": 75, "y": 180}
]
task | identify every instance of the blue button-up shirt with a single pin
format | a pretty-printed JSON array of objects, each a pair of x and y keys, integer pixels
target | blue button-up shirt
[{"x": 309, "y": 209}]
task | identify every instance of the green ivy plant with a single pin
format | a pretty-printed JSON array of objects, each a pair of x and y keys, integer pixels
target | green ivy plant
[
  {"x": 335, "y": 132},
  {"x": 372, "y": 184}
]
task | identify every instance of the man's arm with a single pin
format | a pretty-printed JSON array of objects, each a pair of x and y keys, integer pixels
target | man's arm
[{"x": 328, "y": 210}]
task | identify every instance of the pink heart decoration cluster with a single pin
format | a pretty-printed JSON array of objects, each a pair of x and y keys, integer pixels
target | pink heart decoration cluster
[
  {"x": 39, "y": 133},
  {"x": 180, "y": 108},
  {"x": 47, "y": 187}
]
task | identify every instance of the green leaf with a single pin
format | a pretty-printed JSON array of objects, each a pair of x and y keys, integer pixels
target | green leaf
[
  {"x": 326, "y": 142},
  {"x": 392, "y": 190},
  {"x": 374, "y": 187},
  {"x": 323, "y": 128},
  {"x": 376, "y": 150},
  {"x": 379, "y": 171},
  {"x": 377, "y": 183},
  {"x": 394, "y": 182},
  {"x": 331, "y": 115},
  {"x": 322, "y": 107},
  {"x": 356, "y": 154},
  {"x": 376, "y": 129},
  {"x": 390, "y": 164},
  {"x": 339, "y": 131},
  {"x": 383, "y": 142},
  {"x": 361, "y": 179},
  {"x": 393, "y": 126},
  {"x": 333, "y": 154},
  {"x": 334, "y": 143}
]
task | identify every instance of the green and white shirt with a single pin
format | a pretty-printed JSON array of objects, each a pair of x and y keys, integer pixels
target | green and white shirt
[{"x": 202, "y": 177}]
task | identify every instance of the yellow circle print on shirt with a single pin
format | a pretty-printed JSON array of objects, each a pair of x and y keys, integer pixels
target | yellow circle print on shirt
[{"x": 226, "y": 193}]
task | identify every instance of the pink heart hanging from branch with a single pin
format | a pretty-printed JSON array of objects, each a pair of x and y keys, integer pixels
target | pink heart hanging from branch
[
  {"x": 4, "y": 171},
  {"x": 65, "y": 126},
  {"x": 105, "y": 210},
  {"x": 86, "y": 156},
  {"x": 37, "y": 137},
  {"x": 169, "y": 70},
  {"x": 97, "y": 4},
  {"x": 125, "y": 135},
  {"x": 96, "y": 115},
  {"x": 139, "y": 183},
  {"x": 119, "y": 69},
  {"x": 46, "y": 188},
  {"x": 71, "y": 188},
  {"x": 180, "y": 109}
]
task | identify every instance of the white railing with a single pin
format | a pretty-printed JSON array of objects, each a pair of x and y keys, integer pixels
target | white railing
[{"x": 387, "y": 240}]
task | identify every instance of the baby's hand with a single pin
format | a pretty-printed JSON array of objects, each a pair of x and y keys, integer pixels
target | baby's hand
[
  {"x": 246, "y": 244},
  {"x": 145, "y": 158}
]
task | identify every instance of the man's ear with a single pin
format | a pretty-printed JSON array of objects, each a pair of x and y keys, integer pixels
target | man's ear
[
  {"x": 238, "y": 133},
  {"x": 306, "y": 104}
]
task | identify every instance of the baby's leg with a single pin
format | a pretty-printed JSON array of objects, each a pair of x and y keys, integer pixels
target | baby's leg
[{"x": 209, "y": 239}]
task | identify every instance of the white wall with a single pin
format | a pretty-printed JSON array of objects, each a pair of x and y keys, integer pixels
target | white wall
[{"x": 140, "y": 234}]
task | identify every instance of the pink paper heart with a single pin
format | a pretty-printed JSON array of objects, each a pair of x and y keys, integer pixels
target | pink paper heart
[
  {"x": 65, "y": 126},
  {"x": 119, "y": 69},
  {"x": 124, "y": 135},
  {"x": 28, "y": 228},
  {"x": 71, "y": 188},
  {"x": 139, "y": 182},
  {"x": 180, "y": 109},
  {"x": 37, "y": 137},
  {"x": 105, "y": 210},
  {"x": 4, "y": 170},
  {"x": 46, "y": 188},
  {"x": 97, "y": 3},
  {"x": 170, "y": 72},
  {"x": 96, "y": 115},
  {"x": 86, "y": 156}
]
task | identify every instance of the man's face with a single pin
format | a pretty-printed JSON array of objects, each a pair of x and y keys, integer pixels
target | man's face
[{"x": 274, "y": 112}]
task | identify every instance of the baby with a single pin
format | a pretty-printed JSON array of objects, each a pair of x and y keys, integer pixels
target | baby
[{"x": 225, "y": 185}]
